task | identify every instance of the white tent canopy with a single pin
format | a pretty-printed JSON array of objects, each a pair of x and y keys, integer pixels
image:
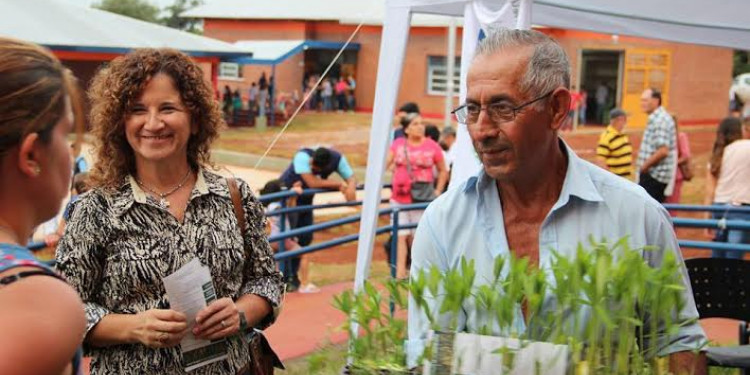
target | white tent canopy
[
  {"x": 721, "y": 23},
  {"x": 61, "y": 25}
]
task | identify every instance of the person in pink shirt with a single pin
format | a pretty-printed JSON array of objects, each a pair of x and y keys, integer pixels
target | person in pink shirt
[
  {"x": 683, "y": 157},
  {"x": 412, "y": 159},
  {"x": 341, "y": 88}
]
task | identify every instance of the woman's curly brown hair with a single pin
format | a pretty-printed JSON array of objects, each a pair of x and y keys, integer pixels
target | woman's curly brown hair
[{"x": 113, "y": 93}]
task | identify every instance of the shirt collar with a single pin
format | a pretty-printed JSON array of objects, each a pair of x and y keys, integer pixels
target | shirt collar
[
  {"x": 131, "y": 192},
  {"x": 577, "y": 181},
  {"x": 611, "y": 129}
]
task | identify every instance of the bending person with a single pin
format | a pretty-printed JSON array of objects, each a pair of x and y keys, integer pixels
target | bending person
[{"x": 312, "y": 168}]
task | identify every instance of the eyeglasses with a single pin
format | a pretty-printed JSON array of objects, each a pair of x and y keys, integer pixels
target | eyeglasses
[{"x": 499, "y": 112}]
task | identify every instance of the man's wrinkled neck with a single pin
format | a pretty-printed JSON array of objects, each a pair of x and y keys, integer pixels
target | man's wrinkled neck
[{"x": 537, "y": 186}]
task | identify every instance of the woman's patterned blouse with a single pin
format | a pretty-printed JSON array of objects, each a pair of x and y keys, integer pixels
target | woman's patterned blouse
[{"x": 119, "y": 245}]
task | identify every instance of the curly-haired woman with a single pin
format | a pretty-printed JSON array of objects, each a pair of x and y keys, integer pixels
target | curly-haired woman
[
  {"x": 153, "y": 208},
  {"x": 41, "y": 318}
]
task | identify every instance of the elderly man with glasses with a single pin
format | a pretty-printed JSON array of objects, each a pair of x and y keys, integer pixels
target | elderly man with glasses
[{"x": 533, "y": 193}]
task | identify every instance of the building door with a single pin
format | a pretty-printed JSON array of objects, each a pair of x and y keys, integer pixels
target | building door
[
  {"x": 644, "y": 68},
  {"x": 600, "y": 78}
]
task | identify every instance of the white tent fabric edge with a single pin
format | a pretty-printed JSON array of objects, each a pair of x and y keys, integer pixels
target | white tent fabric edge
[{"x": 395, "y": 36}]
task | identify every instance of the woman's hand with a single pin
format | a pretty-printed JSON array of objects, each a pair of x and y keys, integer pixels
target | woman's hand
[
  {"x": 217, "y": 320},
  {"x": 160, "y": 328}
]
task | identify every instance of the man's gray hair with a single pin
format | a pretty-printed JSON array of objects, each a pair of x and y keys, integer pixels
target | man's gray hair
[{"x": 548, "y": 67}]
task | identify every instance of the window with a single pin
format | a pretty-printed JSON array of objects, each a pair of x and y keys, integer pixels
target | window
[
  {"x": 437, "y": 75},
  {"x": 230, "y": 71}
]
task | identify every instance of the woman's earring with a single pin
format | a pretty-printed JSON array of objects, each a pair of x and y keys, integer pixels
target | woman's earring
[{"x": 37, "y": 170}]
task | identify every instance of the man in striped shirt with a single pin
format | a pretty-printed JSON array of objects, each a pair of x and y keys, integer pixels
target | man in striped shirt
[{"x": 614, "y": 151}]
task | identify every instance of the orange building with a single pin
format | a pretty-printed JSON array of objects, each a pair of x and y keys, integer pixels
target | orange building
[{"x": 695, "y": 80}]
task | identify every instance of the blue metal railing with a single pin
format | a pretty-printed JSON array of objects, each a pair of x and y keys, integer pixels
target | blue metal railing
[
  {"x": 284, "y": 256},
  {"x": 701, "y": 208}
]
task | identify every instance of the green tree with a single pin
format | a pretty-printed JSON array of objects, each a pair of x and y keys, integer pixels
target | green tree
[
  {"x": 741, "y": 62},
  {"x": 139, "y": 9},
  {"x": 173, "y": 19}
]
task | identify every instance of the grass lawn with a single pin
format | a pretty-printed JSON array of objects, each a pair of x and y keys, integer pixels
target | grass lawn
[
  {"x": 327, "y": 273},
  {"x": 346, "y": 132}
]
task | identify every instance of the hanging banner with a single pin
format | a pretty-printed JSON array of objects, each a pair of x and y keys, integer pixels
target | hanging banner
[{"x": 480, "y": 16}]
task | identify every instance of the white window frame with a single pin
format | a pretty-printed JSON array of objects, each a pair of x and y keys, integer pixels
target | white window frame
[
  {"x": 230, "y": 71},
  {"x": 436, "y": 70}
]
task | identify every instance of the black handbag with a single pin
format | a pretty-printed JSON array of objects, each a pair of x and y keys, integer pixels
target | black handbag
[
  {"x": 262, "y": 358},
  {"x": 420, "y": 191}
]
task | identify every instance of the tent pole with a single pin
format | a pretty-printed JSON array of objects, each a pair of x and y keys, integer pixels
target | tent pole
[
  {"x": 390, "y": 65},
  {"x": 451, "y": 64}
]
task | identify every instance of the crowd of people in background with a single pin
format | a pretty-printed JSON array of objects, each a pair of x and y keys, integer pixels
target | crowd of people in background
[
  {"x": 332, "y": 94},
  {"x": 664, "y": 162}
]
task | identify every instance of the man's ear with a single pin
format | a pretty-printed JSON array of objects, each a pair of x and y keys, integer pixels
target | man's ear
[
  {"x": 28, "y": 156},
  {"x": 559, "y": 107}
]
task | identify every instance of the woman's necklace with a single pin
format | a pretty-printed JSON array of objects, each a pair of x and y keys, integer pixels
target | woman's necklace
[{"x": 163, "y": 202}]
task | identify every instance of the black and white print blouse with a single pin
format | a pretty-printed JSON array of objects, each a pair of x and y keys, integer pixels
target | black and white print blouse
[{"x": 118, "y": 246}]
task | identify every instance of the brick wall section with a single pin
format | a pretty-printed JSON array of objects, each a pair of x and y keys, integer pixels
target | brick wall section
[{"x": 701, "y": 77}]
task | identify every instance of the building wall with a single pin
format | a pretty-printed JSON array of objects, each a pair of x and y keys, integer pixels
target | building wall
[
  {"x": 701, "y": 77},
  {"x": 423, "y": 42},
  {"x": 697, "y": 91},
  {"x": 288, "y": 77},
  {"x": 368, "y": 38}
]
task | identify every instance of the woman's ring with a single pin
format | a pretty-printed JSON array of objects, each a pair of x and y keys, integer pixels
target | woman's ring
[{"x": 223, "y": 324}]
